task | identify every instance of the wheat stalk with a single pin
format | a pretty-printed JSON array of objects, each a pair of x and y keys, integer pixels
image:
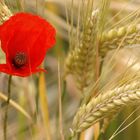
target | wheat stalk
[{"x": 106, "y": 104}]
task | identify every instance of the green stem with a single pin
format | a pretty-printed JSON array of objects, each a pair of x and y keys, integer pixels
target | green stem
[{"x": 7, "y": 107}]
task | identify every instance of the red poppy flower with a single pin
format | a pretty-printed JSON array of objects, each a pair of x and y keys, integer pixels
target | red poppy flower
[{"x": 25, "y": 39}]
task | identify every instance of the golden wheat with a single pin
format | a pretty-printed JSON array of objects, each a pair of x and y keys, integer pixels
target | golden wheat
[{"x": 106, "y": 104}]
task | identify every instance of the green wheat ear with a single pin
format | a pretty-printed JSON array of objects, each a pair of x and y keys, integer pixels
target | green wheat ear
[
  {"x": 80, "y": 60},
  {"x": 121, "y": 37},
  {"x": 5, "y": 13}
]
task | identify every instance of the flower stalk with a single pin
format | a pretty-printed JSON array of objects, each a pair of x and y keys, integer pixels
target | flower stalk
[{"x": 7, "y": 108}]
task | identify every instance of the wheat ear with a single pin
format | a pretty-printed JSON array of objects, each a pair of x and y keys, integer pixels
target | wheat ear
[
  {"x": 80, "y": 61},
  {"x": 5, "y": 13},
  {"x": 106, "y": 104},
  {"x": 121, "y": 37}
]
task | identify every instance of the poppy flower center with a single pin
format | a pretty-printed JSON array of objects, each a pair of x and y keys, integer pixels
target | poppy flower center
[{"x": 20, "y": 59}]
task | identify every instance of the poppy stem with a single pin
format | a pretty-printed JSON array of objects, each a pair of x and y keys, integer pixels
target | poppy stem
[{"x": 7, "y": 108}]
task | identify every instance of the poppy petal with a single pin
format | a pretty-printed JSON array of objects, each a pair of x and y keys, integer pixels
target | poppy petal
[
  {"x": 29, "y": 35},
  {"x": 6, "y": 69}
]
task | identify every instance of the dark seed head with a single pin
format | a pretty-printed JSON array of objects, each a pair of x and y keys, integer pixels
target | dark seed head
[{"x": 20, "y": 59}]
